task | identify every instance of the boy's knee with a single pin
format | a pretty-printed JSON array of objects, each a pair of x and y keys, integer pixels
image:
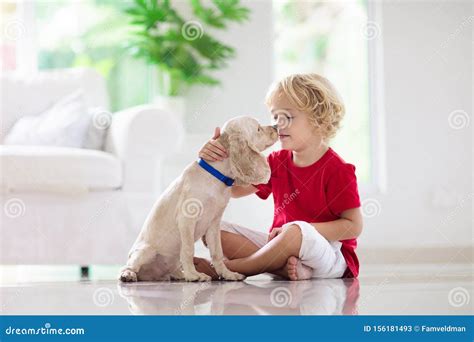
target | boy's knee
[
  {"x": 225, "y": 236},
  {"x": 292, "y": 236},
  {"x": 292, "y": 229},
  {"x": 226, "y": 240}
]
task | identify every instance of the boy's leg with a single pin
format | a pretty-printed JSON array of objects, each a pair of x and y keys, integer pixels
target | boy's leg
[
  {"x": 235, "y": 246},
  {"x": 272, "y": 256}
]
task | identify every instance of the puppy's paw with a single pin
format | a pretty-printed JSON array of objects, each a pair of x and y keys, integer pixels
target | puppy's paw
[
  {"x": 128, "y": 276},
  {"x": 197, "y": 276},
  {"x": 229, "y": 275},
  {"x": 177, "y": 276}
]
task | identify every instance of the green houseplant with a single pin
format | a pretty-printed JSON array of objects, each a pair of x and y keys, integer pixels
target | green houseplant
[{"x": 183, "y": 50}]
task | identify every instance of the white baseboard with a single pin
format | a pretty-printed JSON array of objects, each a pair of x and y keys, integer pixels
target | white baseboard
[{"x": 417, "y": 255}]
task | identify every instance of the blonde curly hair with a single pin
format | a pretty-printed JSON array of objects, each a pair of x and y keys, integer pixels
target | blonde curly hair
[{"x": 315, "y": 95}]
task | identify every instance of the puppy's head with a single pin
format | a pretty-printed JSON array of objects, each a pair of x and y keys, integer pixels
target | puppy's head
[{"x": 244, "y": 139}]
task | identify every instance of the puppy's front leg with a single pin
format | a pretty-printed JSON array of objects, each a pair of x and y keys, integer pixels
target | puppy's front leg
[
  {"x": 213, "y": 239},
  {"x": 186, "y": 228}
]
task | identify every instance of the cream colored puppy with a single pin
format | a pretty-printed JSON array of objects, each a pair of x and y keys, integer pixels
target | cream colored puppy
[{"x": 192, "y": 207}]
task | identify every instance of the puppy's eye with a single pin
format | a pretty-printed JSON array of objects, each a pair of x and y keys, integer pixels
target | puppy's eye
[{"x": 258, "y": 130}]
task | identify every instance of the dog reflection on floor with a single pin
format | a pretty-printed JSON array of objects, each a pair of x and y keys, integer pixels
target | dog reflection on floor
[{"x": 310, "y": 297}]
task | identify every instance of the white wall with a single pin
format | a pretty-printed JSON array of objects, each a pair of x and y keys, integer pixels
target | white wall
[
  {"x": 244, "y": 81},
  {"x": 428, "y": 68}
]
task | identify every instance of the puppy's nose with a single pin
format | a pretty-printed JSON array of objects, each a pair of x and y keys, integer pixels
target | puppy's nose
[
  {"x": 274, "y": 132},
  {"x": 275, "y": 127}
]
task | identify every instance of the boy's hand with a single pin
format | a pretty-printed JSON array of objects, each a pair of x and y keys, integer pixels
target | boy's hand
[
  {"x": 275, "y": 231},
  {"x": 213, "y": 149}
]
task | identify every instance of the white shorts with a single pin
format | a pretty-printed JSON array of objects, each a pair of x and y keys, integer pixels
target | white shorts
[{"x": 324, "y": 257}]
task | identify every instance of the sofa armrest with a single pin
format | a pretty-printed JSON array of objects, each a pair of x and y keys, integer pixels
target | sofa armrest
[{"x": 140, "y": 136}]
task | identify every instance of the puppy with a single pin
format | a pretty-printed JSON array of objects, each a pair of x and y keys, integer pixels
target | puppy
[{"x": 192, "y": 207}]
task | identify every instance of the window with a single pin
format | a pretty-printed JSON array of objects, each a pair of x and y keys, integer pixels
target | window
[
  {"x": 332, "y": 39},
  {"x": 11, "y": 29},
  {"x": 88, "y": 33}
]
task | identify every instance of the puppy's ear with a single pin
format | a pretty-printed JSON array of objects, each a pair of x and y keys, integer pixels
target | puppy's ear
[{"x": 247, "y": 164}]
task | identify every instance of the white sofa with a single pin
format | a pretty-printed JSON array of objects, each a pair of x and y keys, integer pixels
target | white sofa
[{"x": 63, "y": 205}]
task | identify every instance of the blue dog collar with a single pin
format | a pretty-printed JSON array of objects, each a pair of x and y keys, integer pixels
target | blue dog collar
[{"x": 226, "y": 180}]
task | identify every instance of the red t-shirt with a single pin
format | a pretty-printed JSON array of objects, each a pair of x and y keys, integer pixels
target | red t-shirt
[{"x": 319, "y": 192}]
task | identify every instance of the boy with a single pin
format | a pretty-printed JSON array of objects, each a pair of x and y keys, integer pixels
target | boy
[{"x": 317, "y": 216}]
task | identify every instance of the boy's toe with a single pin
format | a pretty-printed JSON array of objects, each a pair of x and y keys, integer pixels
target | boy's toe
[
  {"x": 291, "y": 268},
  {"x": 292, "y": 261}
]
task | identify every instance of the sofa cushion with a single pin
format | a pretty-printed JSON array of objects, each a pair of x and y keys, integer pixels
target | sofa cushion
[
  {"x": 58, "y": 169},
  {"x": 63, "y": 124},
  {"x": 31, "y": 94}
]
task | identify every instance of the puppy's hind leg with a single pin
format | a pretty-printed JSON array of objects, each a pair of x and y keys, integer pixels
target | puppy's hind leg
[
  {"x": 177, "y": 273},
  {"x": 137, "y": 258}
]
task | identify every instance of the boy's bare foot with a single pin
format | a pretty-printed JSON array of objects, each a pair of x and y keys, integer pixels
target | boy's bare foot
[
  {"x": 296, "y": 270},
  {"x": 204, "y": 266}
]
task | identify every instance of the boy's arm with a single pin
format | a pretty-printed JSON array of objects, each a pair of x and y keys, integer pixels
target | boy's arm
[
  {"x": 349, "y": 226},
  {"x": 241, "y": 191}
]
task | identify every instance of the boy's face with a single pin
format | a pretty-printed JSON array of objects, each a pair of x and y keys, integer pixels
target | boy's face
[{"x": 295, "y": 131}]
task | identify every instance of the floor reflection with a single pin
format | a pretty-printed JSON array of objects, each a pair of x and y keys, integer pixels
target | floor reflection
[
  {"x": 312, "y": 297},
  {"x": 381, "y": 290}
]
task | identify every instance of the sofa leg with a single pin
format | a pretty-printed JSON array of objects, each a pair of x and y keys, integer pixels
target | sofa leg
[{"x": 84, "y": 272}]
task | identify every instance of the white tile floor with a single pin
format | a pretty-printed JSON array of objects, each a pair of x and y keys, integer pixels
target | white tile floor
[{"x": 380, "y": 290}]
